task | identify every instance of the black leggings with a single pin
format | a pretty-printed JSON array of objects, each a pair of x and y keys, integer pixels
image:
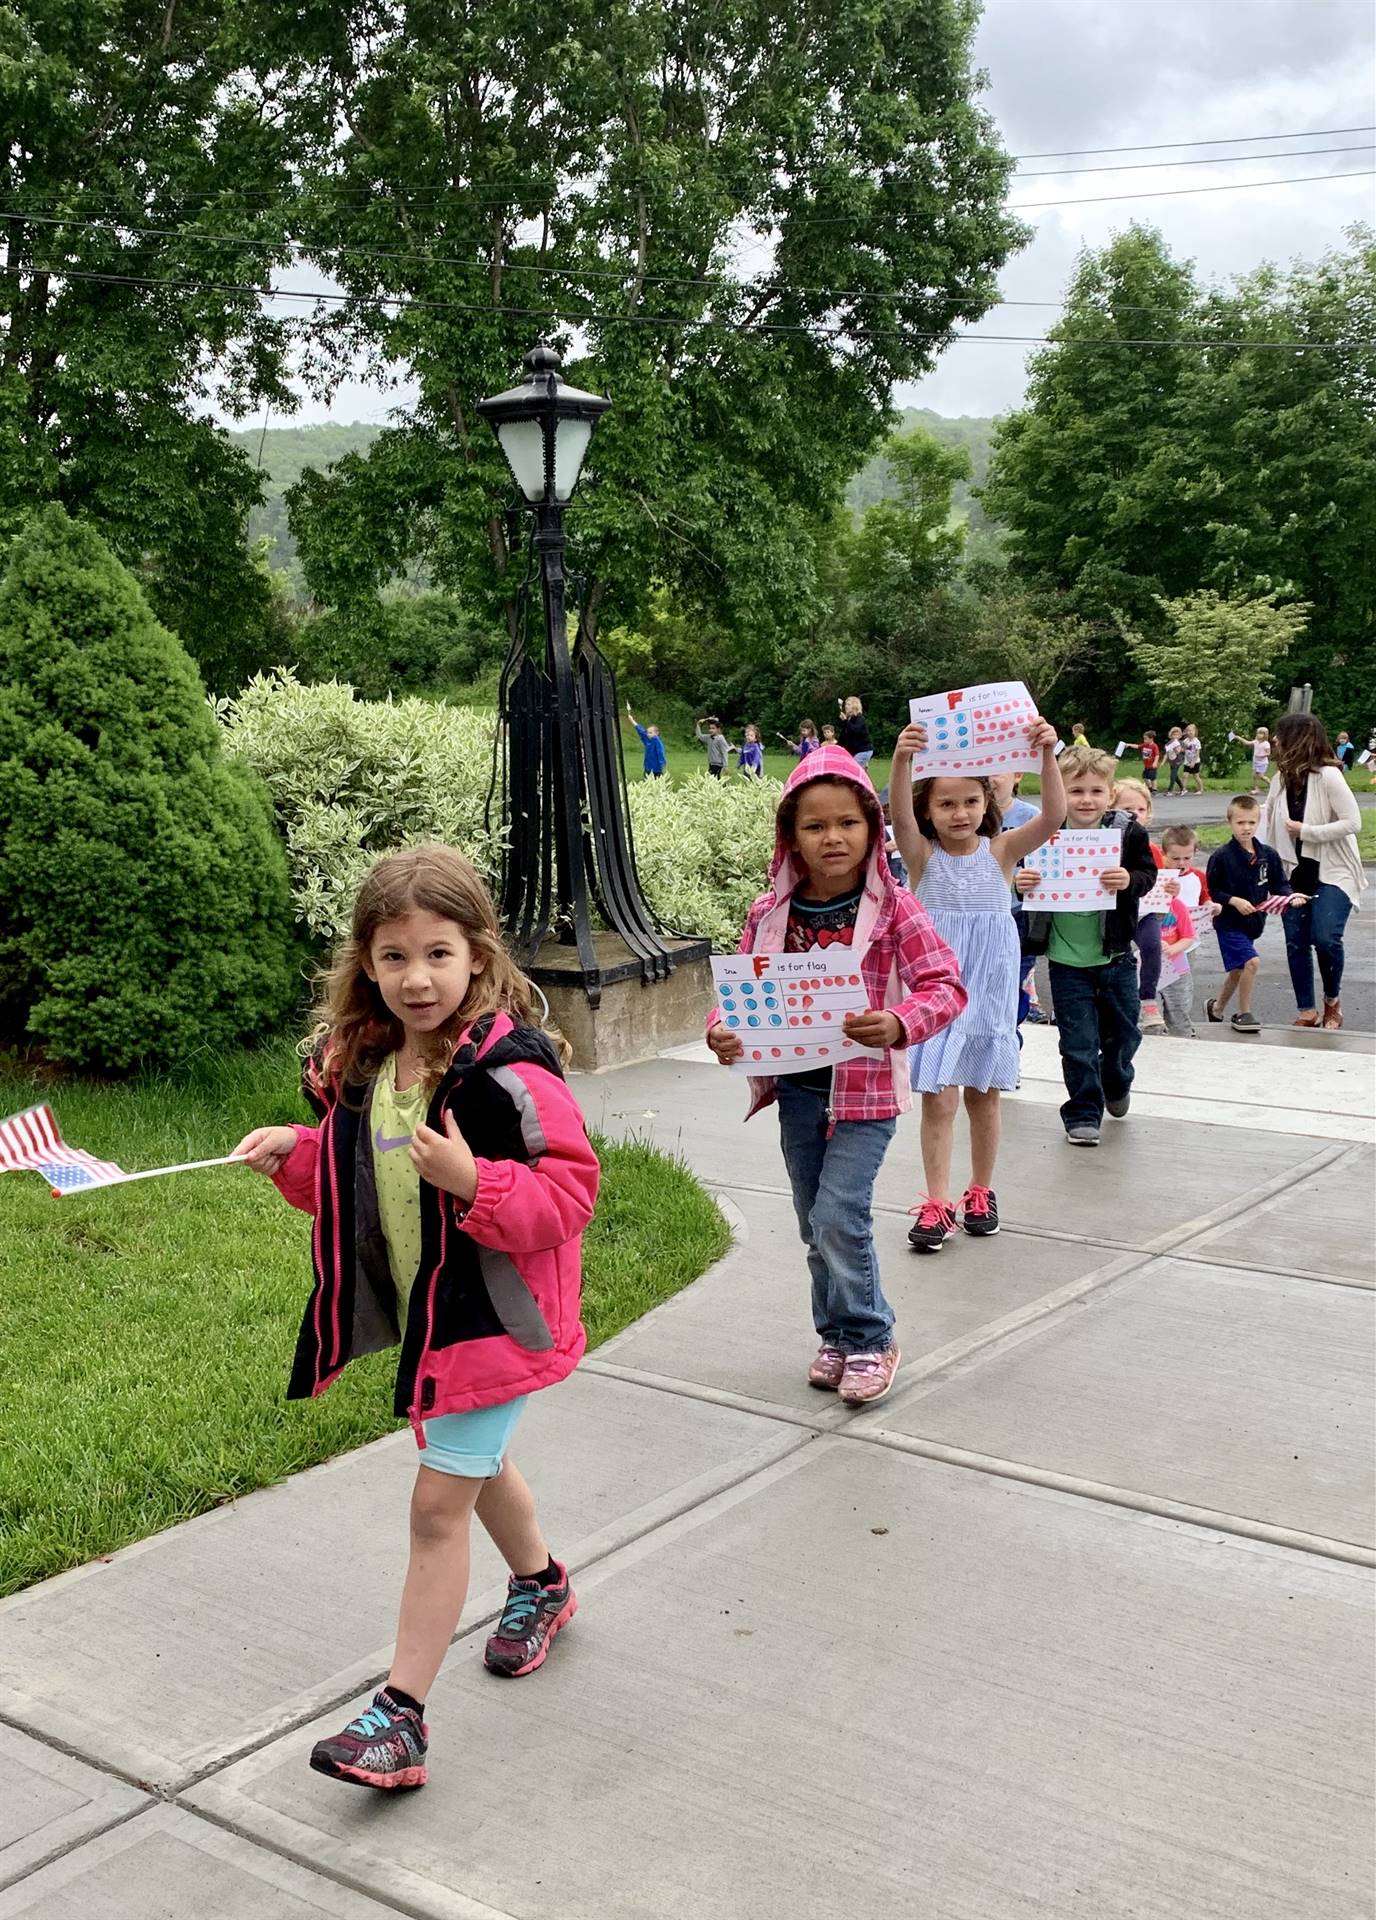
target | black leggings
[{"x": 1148, "y": 938}]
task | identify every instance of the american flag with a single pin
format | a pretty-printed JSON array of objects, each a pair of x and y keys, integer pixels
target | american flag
[{"x": 30, "y": 1141}]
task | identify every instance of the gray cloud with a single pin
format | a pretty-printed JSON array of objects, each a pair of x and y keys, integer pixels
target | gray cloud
[{"x": 1093, "y": 73}]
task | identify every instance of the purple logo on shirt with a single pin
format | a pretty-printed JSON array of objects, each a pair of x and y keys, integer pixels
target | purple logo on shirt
[{"x": 384, "y": 1145}]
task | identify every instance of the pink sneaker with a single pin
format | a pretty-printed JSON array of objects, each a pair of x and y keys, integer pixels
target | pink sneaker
[
  {"x": 868, "y": 1376},
  {"x": 826, "y": 1370}
]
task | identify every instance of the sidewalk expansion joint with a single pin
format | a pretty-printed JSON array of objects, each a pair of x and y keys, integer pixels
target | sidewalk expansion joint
[
  {"x": 1351, "y": 1552},
  {"x": 459, "y": 1906}
]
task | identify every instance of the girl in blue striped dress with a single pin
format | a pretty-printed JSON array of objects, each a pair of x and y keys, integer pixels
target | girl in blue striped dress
[{"x": 949, "y": 832}]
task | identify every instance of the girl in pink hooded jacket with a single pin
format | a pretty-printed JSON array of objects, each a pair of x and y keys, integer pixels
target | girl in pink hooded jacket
[
  {"x": 831, "y": 886},
  {"x": 451, "y": 1178}
]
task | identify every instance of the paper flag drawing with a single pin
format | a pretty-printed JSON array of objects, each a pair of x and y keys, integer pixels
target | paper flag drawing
[
  {"x": 788, "y": 1008},
  {"x": 976, "y": 730},
  {"x": 1070, "y": 864},
  {"x": 1120, "y": 749},
  {"x": 31, "y": 1142}
]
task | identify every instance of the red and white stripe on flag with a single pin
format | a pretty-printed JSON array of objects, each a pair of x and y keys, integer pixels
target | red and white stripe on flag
[{"x": 30, "y": 1141}]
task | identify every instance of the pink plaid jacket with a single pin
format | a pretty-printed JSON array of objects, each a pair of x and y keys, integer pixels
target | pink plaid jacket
[{"x": 907, "y": 966}]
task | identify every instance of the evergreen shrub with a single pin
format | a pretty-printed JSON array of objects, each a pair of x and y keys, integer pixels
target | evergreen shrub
[{"x": 144, "y": 907}]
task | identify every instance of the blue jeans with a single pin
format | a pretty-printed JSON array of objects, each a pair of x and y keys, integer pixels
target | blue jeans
[
  {"x": 1316, "y": 929},
  {"x": 1148, "y": 937},
  {"x": 833, "y": 1187},
  {"x": 1096, "y": 1022}
]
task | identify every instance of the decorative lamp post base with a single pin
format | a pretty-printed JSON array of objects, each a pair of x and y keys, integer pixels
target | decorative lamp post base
[{"x": 617, "y": 1016}]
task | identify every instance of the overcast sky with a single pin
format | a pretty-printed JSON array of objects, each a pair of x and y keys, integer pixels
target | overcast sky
[{"x": 1067, "y": 74}]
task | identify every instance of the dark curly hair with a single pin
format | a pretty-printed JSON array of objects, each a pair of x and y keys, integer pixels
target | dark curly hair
[{"x": 1302, "y": 746}]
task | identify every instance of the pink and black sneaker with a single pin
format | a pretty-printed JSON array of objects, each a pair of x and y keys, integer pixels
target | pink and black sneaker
[
  {"x": 532, "y": 1616},
  {"x": 979, "y": 1211},
  {"x": 936, "y": 1222},
  {"x": 383, "y": 1747}
]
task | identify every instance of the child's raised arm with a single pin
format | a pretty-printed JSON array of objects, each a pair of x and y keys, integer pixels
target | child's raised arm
[
  {"x": 1009, "y": 848},
  {"x": 911, "y": 841}
]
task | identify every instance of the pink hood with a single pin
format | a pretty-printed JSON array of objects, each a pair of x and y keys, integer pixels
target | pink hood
[{"x": 786, "y": 870}]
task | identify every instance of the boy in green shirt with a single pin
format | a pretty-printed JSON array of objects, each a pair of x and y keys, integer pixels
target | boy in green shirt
[{"x": 1090, "y": 959}]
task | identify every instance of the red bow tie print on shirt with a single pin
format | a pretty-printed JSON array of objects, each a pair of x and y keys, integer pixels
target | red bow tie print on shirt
[{"x": 834, "y": 937}]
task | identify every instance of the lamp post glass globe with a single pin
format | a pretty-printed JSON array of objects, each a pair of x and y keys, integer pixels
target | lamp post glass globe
[{"x": 543, "y": 428}]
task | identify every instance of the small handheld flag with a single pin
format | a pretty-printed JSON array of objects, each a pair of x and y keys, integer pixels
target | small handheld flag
[{"x": 31, "y": 1142}]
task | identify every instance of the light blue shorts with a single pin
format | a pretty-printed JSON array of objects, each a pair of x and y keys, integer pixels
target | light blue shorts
[{"x": 471, "y": 1445}]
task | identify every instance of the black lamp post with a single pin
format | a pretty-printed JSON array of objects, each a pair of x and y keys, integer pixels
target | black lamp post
[{"x": 569, "y": 842}]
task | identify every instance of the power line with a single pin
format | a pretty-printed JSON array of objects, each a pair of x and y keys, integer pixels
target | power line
[
  {"x": 404, "y": 303},
  {"x": 314, "y": 250},
  {"x": 1162, "y": 146},
  {"x": 1212, "y": 160},
  {"x": 1168, "y": 193},
  {"x": 386, "y": 194}
]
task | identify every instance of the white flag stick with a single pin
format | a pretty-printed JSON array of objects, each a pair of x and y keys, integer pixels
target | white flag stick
[{"x": 187, "y": 1166}]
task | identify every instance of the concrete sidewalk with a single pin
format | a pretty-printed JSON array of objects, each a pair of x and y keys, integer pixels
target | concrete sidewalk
[{"x": 1078, "y": 1621}]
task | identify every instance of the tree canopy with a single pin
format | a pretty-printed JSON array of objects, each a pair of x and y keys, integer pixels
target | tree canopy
[
  {"x": 145, "y": 175},
  {"x": 743, "y": 227},
  {"x": 1245, "y": 465}
]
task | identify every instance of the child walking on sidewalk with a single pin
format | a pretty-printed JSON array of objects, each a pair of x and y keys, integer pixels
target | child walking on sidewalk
[
  {"x": 961, "y": 861},
  {"x": 1089, "y": 957},
  {"x": 830, "y": 886},
  {"x": 1133, "y": 797},
  {"x": 1242, "y": 873},
  {"x": 451, "y": 1178}
]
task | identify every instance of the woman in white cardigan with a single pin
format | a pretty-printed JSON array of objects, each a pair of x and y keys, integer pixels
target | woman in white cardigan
[{"x": 1311, "y": 818}]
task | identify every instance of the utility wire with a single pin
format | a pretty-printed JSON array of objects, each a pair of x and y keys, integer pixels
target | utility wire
[
  {"x": 314, "y": 250},
  {"x": 1211, "y": 160},
  {"x": 386, "y": 194},
  {"x": 1167, "y": 193},
  {"x": 819, "y": 331},
  {"x": 1163, "y": 146}
]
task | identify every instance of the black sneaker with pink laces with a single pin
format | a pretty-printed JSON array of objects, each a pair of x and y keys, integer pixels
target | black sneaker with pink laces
[
  {"x": 936, "y": 1222},
  {"x": 979, "y": 1211}
]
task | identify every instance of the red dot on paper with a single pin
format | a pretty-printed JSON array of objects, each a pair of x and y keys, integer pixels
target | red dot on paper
[
  {"x": 824, "y": 1051},
  {"x": 775, "y": 1052},
  {"x": 756, "y": 1054},
  {"x": 807, "y": 1019},
  {"x": 855, "y": 980},
  {"x": 800, "y": 1050}
]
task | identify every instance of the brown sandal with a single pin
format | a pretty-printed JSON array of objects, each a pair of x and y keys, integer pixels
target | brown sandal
[
  {"x": 1308, "y": 1018},
  {"x": 1332, "y": 1016}
]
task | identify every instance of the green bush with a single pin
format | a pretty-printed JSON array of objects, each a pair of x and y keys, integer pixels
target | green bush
[
  {"x": 144, "y": 906},
  {"x": 352, "y": 780}
]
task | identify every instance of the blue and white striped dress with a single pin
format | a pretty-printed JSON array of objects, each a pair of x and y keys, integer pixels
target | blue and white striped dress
[{"x": 967, "y": 900}]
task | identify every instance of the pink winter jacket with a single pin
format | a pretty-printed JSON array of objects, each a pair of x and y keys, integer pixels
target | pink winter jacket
[
  {"x": 907, "y": 967},
  {"x": 494, "y": 1306}
]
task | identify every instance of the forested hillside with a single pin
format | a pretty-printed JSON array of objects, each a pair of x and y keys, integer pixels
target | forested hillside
[
  {"x": 874, "y": 482},
  {"x": 283, "y": 454}
]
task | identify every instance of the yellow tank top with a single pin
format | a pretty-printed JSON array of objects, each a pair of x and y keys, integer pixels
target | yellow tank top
[{"x": 395, "y": 1117}]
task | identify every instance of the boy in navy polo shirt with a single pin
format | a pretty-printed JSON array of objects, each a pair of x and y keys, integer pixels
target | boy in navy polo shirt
[{"x": 1242, "y": 874}]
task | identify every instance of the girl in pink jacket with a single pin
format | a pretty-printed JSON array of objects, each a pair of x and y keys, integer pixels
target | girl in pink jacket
[
  {"x": 830, "y": 886},
  {"x": 451, "y": 1178}
]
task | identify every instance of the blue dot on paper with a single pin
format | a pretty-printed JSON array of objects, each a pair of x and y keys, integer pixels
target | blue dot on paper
[
  {"x": 776, "y": 1019},
  {"x": 733, "y": 1020},
  {"x": 753, "y": 1020}
]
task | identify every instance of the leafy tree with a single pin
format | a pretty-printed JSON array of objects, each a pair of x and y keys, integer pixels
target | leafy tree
[
  {"x": 907, "y": 544},
  {"x": 1215, "y": 664},
  {"x": 135, "y": 139},
  {"x": 144, "y": 911},
  {"x": 1141, "y": 473},
  {"x": 685, "y": 199},
  {"x": 1021, "y": 635}
]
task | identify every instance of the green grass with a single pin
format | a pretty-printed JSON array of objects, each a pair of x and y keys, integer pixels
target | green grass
[
  {"x": 146, "y": 1332},
  {"x": 1216, "y": 833}
]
